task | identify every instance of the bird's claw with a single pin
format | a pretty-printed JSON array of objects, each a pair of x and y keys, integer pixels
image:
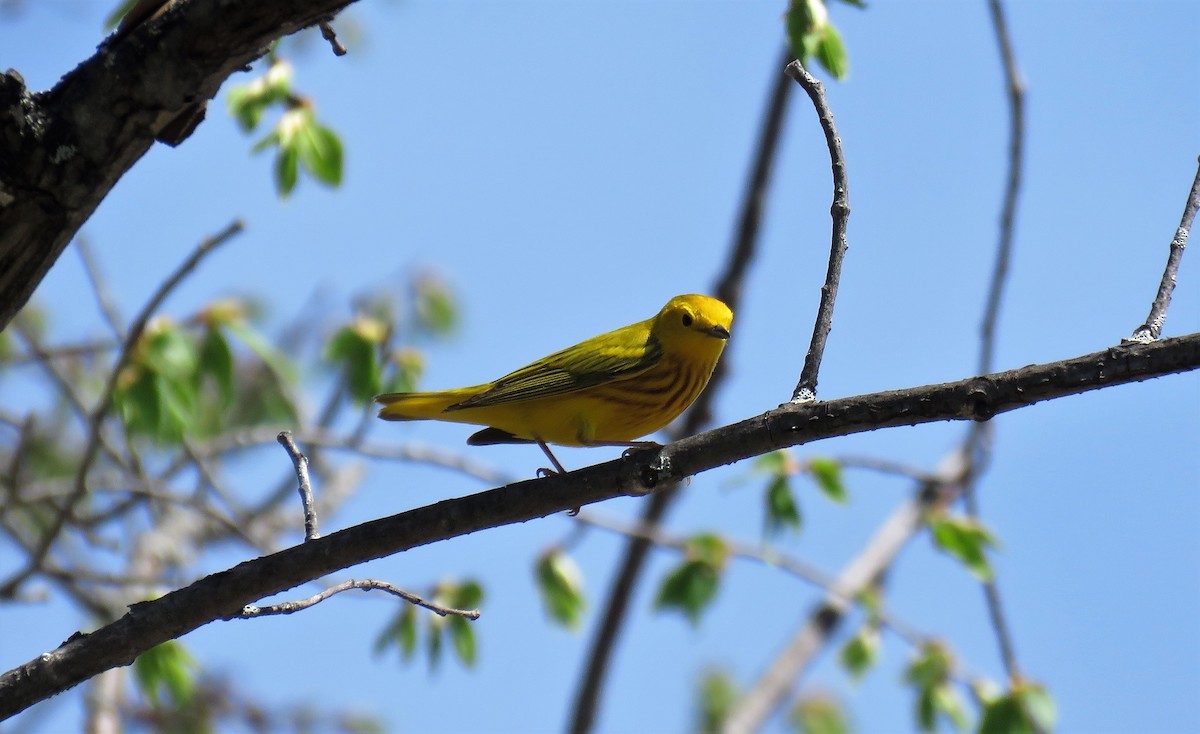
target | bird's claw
[{"x": 639, "y": 447}]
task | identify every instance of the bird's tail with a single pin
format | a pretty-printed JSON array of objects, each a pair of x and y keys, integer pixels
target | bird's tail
[{"x": 412, "y": 406}]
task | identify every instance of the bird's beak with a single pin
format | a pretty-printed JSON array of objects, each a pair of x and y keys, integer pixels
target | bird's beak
[{"x": 718, "y": 331}]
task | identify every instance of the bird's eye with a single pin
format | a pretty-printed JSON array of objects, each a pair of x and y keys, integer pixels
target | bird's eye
[{"x": 687, "y": 319}]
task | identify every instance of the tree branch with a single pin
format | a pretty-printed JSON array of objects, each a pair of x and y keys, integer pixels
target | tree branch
[
  {"x": 305, "y": 487},
  {"x": 224, "y": 595},
  {"x": 806, "y": 388},
  {"x": 1150, "y": 330},
  {"x": 63, "y": 150},
  {"x": 290, "y": 607}
]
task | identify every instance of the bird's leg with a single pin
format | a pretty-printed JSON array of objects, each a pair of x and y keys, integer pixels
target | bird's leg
[
  {"x": 558, "y": 468},
  {"x": 544, "y": 472}
]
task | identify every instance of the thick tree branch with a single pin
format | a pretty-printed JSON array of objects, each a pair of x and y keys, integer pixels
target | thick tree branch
[
  {"x": 61, "y": 151},
  {"x": 224, "y": 595}
]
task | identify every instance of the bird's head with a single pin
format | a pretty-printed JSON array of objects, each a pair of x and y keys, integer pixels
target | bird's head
[{"x": 693, "y": 319}]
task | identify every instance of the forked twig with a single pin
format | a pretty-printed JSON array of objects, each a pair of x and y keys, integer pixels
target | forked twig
[{"x": 289, "y": 607}]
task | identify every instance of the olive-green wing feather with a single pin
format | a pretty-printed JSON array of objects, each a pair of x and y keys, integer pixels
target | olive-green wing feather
[{"x": 616, "y": 355}]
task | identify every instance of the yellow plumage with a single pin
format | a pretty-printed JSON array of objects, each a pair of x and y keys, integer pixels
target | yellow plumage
[{"x": 608, "y": 390}]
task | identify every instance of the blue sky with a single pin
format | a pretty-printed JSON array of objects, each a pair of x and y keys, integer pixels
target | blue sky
[{"x": 570, "y": 166}]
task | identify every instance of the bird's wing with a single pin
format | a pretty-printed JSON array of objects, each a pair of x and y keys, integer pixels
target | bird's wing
[{"x": 617, "y": 355}]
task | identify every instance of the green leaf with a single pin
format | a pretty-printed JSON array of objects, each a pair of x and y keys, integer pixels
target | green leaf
[
  {"x": 462, "y": 634},
  {"x": 264, "y": 350},
  {"x": 1004, "y": 716},
  {"x": 216, "y": 362},
  {"x": 1039, "y": 705},
  {"x": 433, "y": 640},
  {"x": 717, "y": 695},
  {"x": 177, "y": 414},
  {"x": 286, "y": 171},
  {"x": 407, "y": 365},
  {"x": 401, "y": 631},
  {"x": 113, "y": 18},
  {"x": 929, "y": 673},
  {"x": 689, "y": 589},
  {"x": 560, "y": 585},
  {"x": 406, "y": 631},
  {"x": 1026, "y": 709},
  {"x": 966, "y": 539},
  {"x": 436, "y": 311},
  {"x": 136, "y": 401},
  {"x": 828, "y": 475},
  {"x": 926, "y": 710},
  {"x": 861, "y": 652},
  {"x": 805, "y": 19},
  {"x": 931, "y": 666},
  {"x": 947, "y": 702},
  {"x": 356, "y": 348},
  {"x": 709, "y": 548},
  {"x": 782, "y": 511},
  {"x": 168, "y": 350},
  {"x": 831, "y": 53},
  {"x": 166, "y": 668},
  {"x": 818, "y": 715},
  {"x": 467, "y": 595},
  {"x": 320, "y": 152},
  {"x": 776, "y": 463}
]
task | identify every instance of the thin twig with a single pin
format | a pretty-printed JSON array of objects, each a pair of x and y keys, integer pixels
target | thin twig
[
  {"x": 305, "y": 488},
  {"x": 103, "y": 298},
  {"x": 328, "y": 34},
  {"x": 288, "y": 607},
  {"x": 106, "y": 399},
  {"x": 806, "y": 388},
  {"x": 886, "y": 466},
  {"x": 419, "y": 453},
  {"x": 1150, "y": 330},
  {"x": 729, "y": 290},
  {"x": 69, "y": 351},
  {"x": 978, "y": 445}
]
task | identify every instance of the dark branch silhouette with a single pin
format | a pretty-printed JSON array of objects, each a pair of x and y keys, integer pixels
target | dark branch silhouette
[{"x": 225, "y": 595}]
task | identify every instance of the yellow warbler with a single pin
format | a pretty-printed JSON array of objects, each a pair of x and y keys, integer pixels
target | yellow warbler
[{"x": 606, "y": 391}]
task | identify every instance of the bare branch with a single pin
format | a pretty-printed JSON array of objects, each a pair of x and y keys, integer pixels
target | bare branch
[
  {"x": 327, "y": 439},
  {"x": 806, "y": 388},
  {"x": 1150, "y": 330},
  {"x": 288, "y": 607},
  {"x": 305, "y": 488},
  {"x": 104, "y": 299},
  {"x": 224, "y": 595},
  {"x": 977, "y": 447}
]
